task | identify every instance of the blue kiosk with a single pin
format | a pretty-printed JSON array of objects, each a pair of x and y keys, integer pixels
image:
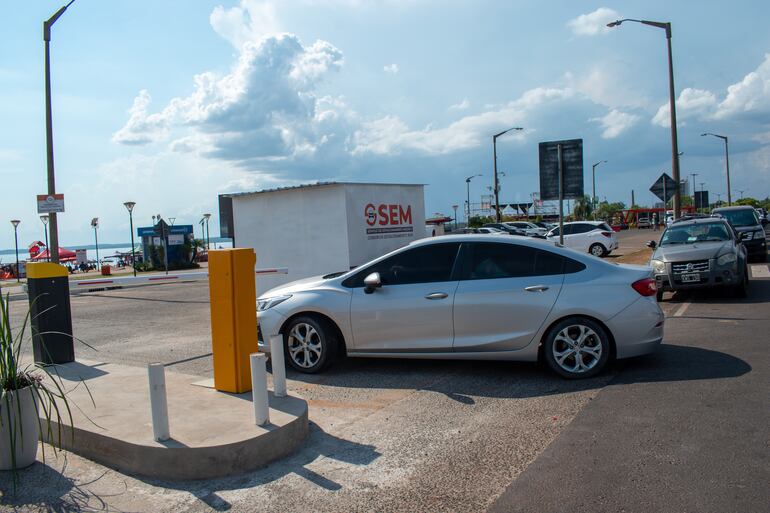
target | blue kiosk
[{"x": 162, "y": 237}]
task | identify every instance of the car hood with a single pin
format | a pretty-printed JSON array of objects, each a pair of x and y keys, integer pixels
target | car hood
[
  {"x": 295, "y": 286},
  {"x": 697, "y": 251}
]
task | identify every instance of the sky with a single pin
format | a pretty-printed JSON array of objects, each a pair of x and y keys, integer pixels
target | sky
[{"x": 169, "y": 104}]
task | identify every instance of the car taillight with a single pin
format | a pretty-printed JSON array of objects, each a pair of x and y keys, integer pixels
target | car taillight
[
  {"x": 607, "y": 234},
  {"x": 645, "y": 287}
]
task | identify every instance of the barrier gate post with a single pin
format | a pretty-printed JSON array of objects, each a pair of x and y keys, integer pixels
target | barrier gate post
[
  {"x": 232, "y": 291},
  {"x": 49, "y": 313}
]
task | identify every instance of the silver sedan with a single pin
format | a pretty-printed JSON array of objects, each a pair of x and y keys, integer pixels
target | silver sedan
[{"x": 474, "y": 297}]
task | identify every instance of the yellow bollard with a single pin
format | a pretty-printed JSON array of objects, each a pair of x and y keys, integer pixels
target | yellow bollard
[{"x": 233, "y": 297}]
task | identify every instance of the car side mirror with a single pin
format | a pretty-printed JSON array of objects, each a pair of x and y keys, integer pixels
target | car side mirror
[
  {"x": 651, "y": 244},
  {"x": 372, "y": 283}
]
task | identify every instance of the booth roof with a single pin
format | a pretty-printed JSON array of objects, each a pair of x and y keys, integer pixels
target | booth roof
[{"x": 317, "y": 184}]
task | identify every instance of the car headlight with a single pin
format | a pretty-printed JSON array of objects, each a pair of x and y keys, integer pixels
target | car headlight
[
  {"x": 727, "y": 258},
  {"x": 759, "y": 234},
  {"x": 659, "y": 266},
  {"x": 270, "y": 302}
]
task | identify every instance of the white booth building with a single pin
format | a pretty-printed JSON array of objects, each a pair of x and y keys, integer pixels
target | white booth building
[{"x": 323, "y": 227}]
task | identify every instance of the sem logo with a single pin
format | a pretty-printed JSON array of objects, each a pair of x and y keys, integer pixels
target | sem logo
[{"x": 387, "y": 215}]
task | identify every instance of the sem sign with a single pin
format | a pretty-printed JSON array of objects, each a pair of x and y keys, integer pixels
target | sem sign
[{"x": 50, "y": 203}]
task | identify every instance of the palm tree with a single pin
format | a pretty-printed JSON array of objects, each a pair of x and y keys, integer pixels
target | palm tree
[{"x": 582, "y": 208}]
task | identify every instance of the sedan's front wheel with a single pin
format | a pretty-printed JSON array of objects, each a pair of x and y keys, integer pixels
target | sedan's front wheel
[
  {"x": 577, "y": 348},
  {"x": 309, "y": 344}
]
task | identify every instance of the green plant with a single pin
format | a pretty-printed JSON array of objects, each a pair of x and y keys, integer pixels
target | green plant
[{"x": 47, "y": 388}]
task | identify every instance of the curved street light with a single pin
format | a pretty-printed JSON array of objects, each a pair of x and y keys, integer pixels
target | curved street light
[
  {"x": 208, "y": 233},
  {"x": 727, "y": 164},
  {"x": 468, "y": 193},
  {"x": 593, "y": 178},
  {"x": 672, "y": 106},
  {"x": 498, "y": 217}
]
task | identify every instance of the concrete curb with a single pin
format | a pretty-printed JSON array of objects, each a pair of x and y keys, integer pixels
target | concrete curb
[{"x": 177, "y": 462}]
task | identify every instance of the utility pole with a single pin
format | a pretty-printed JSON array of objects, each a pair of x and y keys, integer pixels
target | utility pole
[{"x": 498, "y": 217}]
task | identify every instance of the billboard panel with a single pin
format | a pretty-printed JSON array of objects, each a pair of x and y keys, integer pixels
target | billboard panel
[{"x": 572, "y": 169}]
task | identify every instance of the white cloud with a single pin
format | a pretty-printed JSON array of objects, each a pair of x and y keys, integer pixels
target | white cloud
[
  {"x": 390, "y": 135},
  {"x": 391, "y": 69},
  {"x": 692, "y": 103},
  {"x": 249, "y": 21},
  {"x": 615, "y": 123},
  {"x": 752, "y": 94},
  {"x": 593, "y": 23},
  {"x": 605, "y": 85},
  {"x": 264, "y": 108},
  {"x": 463, "y": 105}
]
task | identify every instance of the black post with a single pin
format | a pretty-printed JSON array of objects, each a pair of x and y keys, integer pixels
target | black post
[
  {"x": 498, "y": 218},
  {"x": 727, "y": 163},
  {"x": 131, "y": 224},
  {"x": 48, "y": 249},
  {"x": 561, "y": 194},
  {"x": 16, "y": 242}
]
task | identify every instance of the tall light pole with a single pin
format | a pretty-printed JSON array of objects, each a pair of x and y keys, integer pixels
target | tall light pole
[
  {"x": 498, "y": 217},
  {"x": 741, "y": 193},
  {"x": 672, "y": 107},
  {"x": 15, "y": 223},
  {"x": 130, "y": 207},
  {"x": 208, "y": 233},
  {"x": 702, "y": 189},
  {"x": 593, "y": 178},
  {"x": 95, "y": 225},
  {"x": 49, "y": 130},
  {"x": 693, "y": 189},
  {"x": 727, "y": 164},
  {"x": 44, "y": 218},
  {"x": 454, "y": 207},
  {"x": 468, "y": 201}
]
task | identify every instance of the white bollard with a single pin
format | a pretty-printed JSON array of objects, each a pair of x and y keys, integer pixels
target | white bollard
[
  {"x": 158, "y": 404},
  {"x": 259, "y": 388},
  {"x": 279, "y": 367}
]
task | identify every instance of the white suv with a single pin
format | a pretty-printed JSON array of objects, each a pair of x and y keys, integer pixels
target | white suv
[
  {"x": 531, "y": 229},
  {"x": 593, "y": 237}
]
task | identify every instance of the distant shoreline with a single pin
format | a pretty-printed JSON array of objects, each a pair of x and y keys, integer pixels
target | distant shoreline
[{"x": 23, "y": 250}]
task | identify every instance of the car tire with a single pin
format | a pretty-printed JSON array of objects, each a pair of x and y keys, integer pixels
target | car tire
[
  {"x": 577, "y": 348},
  {"x": 597, "y": 250},
  {"x": 309, "y": 344}
]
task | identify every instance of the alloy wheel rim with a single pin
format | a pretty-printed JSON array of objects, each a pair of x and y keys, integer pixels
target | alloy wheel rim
[
  {"x": 597, "y": 251},
  {"x": 577, "y": 349},
  {"x": 304, "y": 345}
]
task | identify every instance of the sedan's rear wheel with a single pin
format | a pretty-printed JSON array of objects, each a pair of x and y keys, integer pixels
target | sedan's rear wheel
[
  {"x": 308, "y": 344},
  {"x": 597, "y": 250},
  {"x": 577, "y": 348}
]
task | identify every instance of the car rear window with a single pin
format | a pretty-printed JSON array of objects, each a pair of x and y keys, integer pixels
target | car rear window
[{"x": 740, "y": 217}]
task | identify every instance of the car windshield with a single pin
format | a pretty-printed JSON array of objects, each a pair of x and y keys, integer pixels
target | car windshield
[
  {"x": 692, "y": 233},
  {"x": 740, "y": 217}
]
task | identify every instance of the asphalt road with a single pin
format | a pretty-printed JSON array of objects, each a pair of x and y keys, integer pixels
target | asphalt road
[{"x": 686, "y": 429}]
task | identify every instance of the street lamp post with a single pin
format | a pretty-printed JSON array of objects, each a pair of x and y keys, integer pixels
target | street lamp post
[
  {"x": 741, "y": 193},
  {"x": 727, "y": 164},
  {"x": 593, "y": 195},
  {"x": 468, "y": 201},
  {"x": 498, "y": 217},
  {"x": 49, "y": 129},
  {"x": 15, "y": 223},
  {"x": 208, "y": 233},
  {"x": 672, "y": 107},
  {"x": 130, "y": 207},
  {"x": 44, "y": 218},
  {"x": 693, "y": 189},
  {"x": 454, "y": 207},
  {"x": 95, "y": 225}
]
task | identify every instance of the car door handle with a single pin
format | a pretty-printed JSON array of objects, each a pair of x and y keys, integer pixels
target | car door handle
[
  {"x": 437, "y": 295},
  {"x": 536, "y": 288}
]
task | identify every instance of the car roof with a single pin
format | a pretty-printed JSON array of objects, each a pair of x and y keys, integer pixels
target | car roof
[
  {"x": 700, "y": 220},
  {"x": 736, "y": 207}
]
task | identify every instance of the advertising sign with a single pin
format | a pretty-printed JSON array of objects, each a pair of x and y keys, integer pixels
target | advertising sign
[
  {"x": 701, "y": 199},
  {"x": 50, "y": 203},
  {"x": 81, "y": 256},
  {"x": 381, "y": 219},
  {"x": 175, "y": 239},
  {"x": 572, "y": 169}
]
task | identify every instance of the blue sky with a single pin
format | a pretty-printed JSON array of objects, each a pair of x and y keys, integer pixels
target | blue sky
[{"x": 170, "y": 103}]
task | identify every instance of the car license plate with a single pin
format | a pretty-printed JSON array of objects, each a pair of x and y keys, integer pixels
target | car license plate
[{"x": 690, "y": 278}]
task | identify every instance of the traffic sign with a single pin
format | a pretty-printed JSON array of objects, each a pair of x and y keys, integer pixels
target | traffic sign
[
  {"x": 50, "y": 203},
  {"x": 701, "y": 199},
  {"x": 664, "y": 187},
  {"x": 572, "y": 169}
]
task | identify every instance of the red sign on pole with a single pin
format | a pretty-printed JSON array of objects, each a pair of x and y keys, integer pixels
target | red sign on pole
[{"x": 50, "y": 203}]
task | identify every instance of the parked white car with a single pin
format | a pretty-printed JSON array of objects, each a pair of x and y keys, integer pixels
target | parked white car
[
  {"x": 593, "y": 237},
  {"x": 529, "y": 228}
]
